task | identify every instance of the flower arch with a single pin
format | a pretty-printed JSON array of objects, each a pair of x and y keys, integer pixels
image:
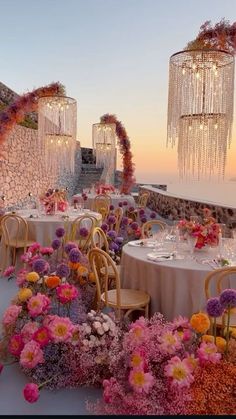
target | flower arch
[
  {"x": 128, "y": 178},
  {"x": 26, "y": 103}
]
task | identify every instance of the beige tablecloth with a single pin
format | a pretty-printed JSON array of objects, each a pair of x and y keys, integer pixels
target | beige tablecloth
[{"x": 116, "y": 199}]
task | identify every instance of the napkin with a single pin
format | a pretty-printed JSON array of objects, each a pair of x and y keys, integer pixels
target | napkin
[
  {"x": 160, "y": 257},
  {"x": 142, "y": 243}
]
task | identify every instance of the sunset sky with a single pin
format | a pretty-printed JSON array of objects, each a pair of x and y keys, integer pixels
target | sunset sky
[{"x": 113, "y": 57}]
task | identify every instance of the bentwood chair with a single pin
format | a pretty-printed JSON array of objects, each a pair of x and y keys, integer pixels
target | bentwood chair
[
  {"x": 117, "y": 298},
  {"x": 142, "y": 200},
  {"x": 215, "y": 282},
  {"x": 14, "y": 235},
  {"x": 102, "y": 204},
  {"x": 118, "y": 213},
  {"x": 151, "y": 227},
  {"x": 81, "y": 231}
]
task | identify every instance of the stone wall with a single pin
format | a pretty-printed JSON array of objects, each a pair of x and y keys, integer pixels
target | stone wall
[{"x": 24, "y": 169}]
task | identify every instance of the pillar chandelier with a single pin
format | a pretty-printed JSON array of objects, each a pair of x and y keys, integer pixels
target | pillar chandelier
[
  {"x": 200, "y": 111},
  {"x": 57, "y": 125},
  {"x": 104, "y": 146}
]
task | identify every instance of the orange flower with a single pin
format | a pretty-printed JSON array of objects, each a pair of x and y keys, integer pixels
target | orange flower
[
  {"x": 74, "y": 266},
  {"x": 82, "y": 270},
  {"x": 52, "y": 281},
  {"x": 200, "y": 322},
  {"x": 92, "y": 277},
  {"x": 220, "y": 342}
]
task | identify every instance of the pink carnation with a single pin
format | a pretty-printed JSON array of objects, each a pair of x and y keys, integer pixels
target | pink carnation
[
  {"x": 60, "y": 329},
  {"x": 141, "y": 381},
  {"x": 11, "y": 314},
  {"x": 31, "y": 355},
  {"x": 34, "y": 247},
  {"x": 16, "y": 345},
  {"x": 46, "y": 251},
  {"x": 31, "y": 392},
  {"x": 208, "y": 352},
  {"x": 38, "y": 304},
  {"x": 66, "y": 293},
  {"x": 28, "y": 331}
]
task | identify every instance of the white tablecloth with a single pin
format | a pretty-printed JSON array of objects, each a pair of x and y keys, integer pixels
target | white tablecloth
[
  {"x": 116, "y": 199},
  {"x": 176, "y": 287}
]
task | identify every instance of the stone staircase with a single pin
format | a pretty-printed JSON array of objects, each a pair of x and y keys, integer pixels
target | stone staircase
[{"x": 88, "y": 176}]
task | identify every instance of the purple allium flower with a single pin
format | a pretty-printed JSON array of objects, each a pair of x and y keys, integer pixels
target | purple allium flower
[
  {"x": 131, "y": 209},
  {"x": 125, "y": 203},
  {"x": 83, "y": 232},
  {"x": 113, "y": 246},
  {"x": 153, "y": 215},
  {"x": 144, "y": 219},
  {"x": 120, "y": 204},
  {"x": 141, "y": 212},
  {"x": 112, "y": 234},
  {"x": 125, "y": 221},
  {"x": 214, "y": 307},
  {"x": 228, "y": 298},
  {"x": 60, "y": 232},
  {"x": 56, "y": 243},
  {"x": 39, "y": 266},
  {"x": 62, "y": 270},
  {"x": 104, "y": 227},
  {"x": 119, "y": 240},
  {"x": 69, "y": 246},
  {"x": 111, "y": 219},
  {"x": 134, "y": 226},
  {"x": 75, "y": 255},
  {"x": 112, "y": 207}
]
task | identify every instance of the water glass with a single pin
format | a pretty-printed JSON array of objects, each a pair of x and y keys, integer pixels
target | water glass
[{"x": 191, "y": 240}]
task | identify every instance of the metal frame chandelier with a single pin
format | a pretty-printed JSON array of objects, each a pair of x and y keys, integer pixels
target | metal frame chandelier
[
  {"x": 200, "y": 111},
  {"x": 57, "y": 126}
]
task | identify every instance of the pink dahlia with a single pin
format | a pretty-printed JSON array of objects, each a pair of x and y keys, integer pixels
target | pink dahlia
[
  {"x": 60, "y": 329},
  {"x": 11, "y": 314},
  {"x": 141, "y": 381},
  {"x": 31, "y": 355},
  {"x": 16, "y": 344},
  {"x": 38, "y": 304},
  {"x": 28, "y": 331},
  {"x": 41, "y": 336},
  {"x": 31, "y": 392},
  {"x": 208, "y": 352},
  {"x": 66, "y": 293},
  {"x": 179, "y": 372}
]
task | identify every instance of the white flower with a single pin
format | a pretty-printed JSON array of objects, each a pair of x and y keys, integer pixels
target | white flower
[
  {"x": 92, "y": 337},
  {"x": 90, "y": 316},
  {"x": 93, "y": 312},
  {"x": 85, "y": 342},
  {"x": 96, "y": 325},
  {"x": 100, "y": 330},
  {"x": 87, "y": 329},
  {"x": 105, "y": 317},
  {"x": 106, "y": 326}
]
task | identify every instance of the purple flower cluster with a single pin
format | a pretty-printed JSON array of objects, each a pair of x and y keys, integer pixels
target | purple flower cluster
[
  {"x": 40, "y": 266},
  {"x": 62, "y": 270},
  {"x": 105, "y": 227},
  {"x": 112, "y": 207},
  {"x": 214, "y": 307},
  {"x": 111, "y": 219},
  {"x": 112, "y": 234},
  {"x": 134, "y": 226},
  {"x": 125, "y": 221},
  {"x": 228, "y": 298},
  {"x": 56, "y": 243},
  {"x": 60, "y": 232},
  {"x": 74, "y": 255},
  {"x": 83, "y": 232},
  {"x": 120, "y": 204},
  {"x": 153, "y": 215},
  {"x": 69, "y": 246}
]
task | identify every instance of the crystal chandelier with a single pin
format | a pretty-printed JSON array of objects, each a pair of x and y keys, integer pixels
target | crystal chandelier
[
  {"x": 200, "y": 111},
  {"x": 57, "y": 132},
  {"x": 104, "y": 147}
]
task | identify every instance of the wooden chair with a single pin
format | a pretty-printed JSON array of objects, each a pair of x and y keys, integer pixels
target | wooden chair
[
  {"x": 118, "y": 213},
  {"x": 216, "y": 279},
  {"x": 118, "y": 298},
  {"x": 102, "y": 204},
  {"x": 87, "y": 221},
  {"x": 99, "y": 239},
  {"x": 147, "y": 228},
  {"x": 142, "y": 200},
  {"x": 15, "y": 235}
]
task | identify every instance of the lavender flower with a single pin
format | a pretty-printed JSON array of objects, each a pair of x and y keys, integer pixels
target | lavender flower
[
  {"x": 214, "y": 307},
  {"x": 83, "y": 231},
  {"x": 56, "y": 243},
  {"x": 40, "y": 266},
  {"x": 62, "y": 270},
  {"x": 112, "y": 234},
  {"x": 134, "y": 226},
  {"x": 69, "y": 246},
  {"x": 112, "y": 207},
  {"x": 113, "y": 246},
  {"x": 228, "y": 298},
  {"x": 111, "y": 219},
  {"x": 119, "y": 240},
  {"x": 74, "y": 255},
  {"x": 104, "y": 227},
  {"x": 153, "y": 215},
  {"x": 60, "y": 232}
]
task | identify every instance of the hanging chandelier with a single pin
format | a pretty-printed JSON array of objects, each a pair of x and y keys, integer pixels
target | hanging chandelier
[
  {"x": 57, "y": 126},
  {"x": 200, "y": 111},
  {"x": 104, "y": 144}
]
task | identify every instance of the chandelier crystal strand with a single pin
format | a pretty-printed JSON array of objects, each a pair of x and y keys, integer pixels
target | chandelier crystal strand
[
  {"x": 57, "y": 126},
  {"x": 200, "y": 111},
  {"x": 104, "y": 148}
]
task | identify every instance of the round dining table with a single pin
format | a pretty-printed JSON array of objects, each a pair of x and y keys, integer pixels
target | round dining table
[
  {"x": 115, "y": 200},
  {"x": 176, "y": 286}
]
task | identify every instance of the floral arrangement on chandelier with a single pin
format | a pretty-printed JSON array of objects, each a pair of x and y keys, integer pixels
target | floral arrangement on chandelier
[
  {"x": 26, "y": 103},
  {"x": 124, "y": 144},
  {"x": 207, "y": 232},
  {"x": 54, "y": 200}
]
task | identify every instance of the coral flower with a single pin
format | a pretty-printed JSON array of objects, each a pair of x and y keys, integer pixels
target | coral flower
[
  {"x": 38, "y": 304},
  {"x": 11, "y": 314},
  {"x": 141, "y": 381},
  {"x": 73, "y": 265},
  {"x": 31, "y": 392},
  {"x": 41, "y": 336},
  {"x": 60, "y": 329},
  {"x": 31, "y": 355},
  {"x": 16, "y": 345},
  {"x": 52, "y": 281},
  {"x": 208, "y": 352},
  {"x": 200, "y": 322},
  {"x": 32, "y": 277},
  {"x": 66, "y": 293},
  {"x": 24, "y": 294},
  {"x": 179, "y": 371}
]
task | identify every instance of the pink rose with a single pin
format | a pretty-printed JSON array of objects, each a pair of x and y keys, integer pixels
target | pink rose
[{"x": 31, "y": 392}]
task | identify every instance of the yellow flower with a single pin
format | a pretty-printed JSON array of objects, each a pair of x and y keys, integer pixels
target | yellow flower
[
  {"x": 32, "y": 277},
  {"x": 82, "y": 270},
  {"x": 92, "y": 277},
  {"x": 24, "y": 294},
  {"x": 208, "y": 338},
  {"x": 200, "y": 322},
  {"x": 220, "y": 342}
]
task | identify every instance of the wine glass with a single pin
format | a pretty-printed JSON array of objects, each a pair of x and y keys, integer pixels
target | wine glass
[{"x": 192, "y": 241}]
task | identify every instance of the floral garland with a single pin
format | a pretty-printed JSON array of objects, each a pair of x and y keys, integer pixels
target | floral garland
[
  {"x": 26, "y": 103},
  {"x": 124, "y": 144}
]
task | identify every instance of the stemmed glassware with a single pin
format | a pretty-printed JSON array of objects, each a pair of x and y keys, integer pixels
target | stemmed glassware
[{"x": 191, "y": 240}]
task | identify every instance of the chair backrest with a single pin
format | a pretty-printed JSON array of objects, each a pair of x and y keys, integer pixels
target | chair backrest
[
  {"x": 100, "y": 260},
  {"x": 118, "y": 213},
  {"x": 214, "y": 280},
  {"x": 99, "y": 239},
  {"x": 14, "y": 227},
  {"x": 143, "y": 199},
  {"x": 78, "y": 231},
  {"x": 147, "y": 229},
  {"x": 102, "y": 204}
]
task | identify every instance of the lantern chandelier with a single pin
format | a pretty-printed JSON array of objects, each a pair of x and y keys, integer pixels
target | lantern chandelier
[
  {"x": 200, "y": 111},
  {"x": 104, "y": 147},
  {"x": 57, "y": 131}
]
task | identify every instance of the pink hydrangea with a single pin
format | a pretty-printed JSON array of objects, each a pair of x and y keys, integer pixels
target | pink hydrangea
[
  {"x": 41, "y": 336},
  {"x": 38, "y": 304},
  {"x": 60, "y": 329},
  {"x": 9, "y": 271},
  {"x": 208, "y": 352},
  {"x": 31, "y": 355},
  {"x": 16, "y": 344},
  {"x": 31, "y": 392},
  {"x": 28, "y": 331},
  {"x": 66, "y": 293},
  {"x": 11, "y": 314},
  {"x": 141, "y": 381},
  {"x": 179, "y": 372}
]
